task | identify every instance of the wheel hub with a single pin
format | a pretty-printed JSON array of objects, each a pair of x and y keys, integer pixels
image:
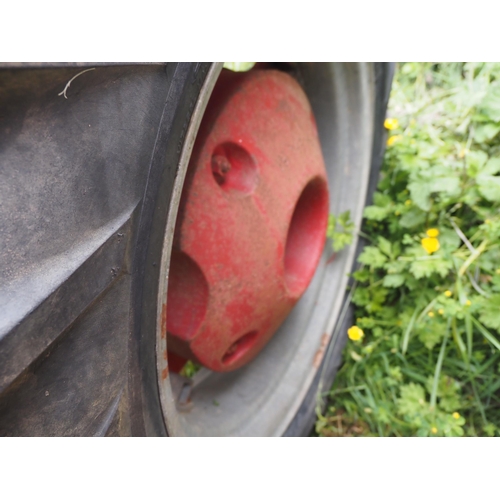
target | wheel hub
[{"x": 252, "y": 220}]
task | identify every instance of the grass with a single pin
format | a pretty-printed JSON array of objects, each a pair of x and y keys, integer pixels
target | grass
[{"x": 425, "y": 357}]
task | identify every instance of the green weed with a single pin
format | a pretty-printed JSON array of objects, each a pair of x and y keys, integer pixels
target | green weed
[{"x": 428, "y": 285}]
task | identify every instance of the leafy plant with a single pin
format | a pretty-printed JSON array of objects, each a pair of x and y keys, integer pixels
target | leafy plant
[
  {"x": 428, "y": 286},
  {"x": 190, "y": 369},
  {"x": 340, "y": 230},
  {"x": 239, "y": 66}
]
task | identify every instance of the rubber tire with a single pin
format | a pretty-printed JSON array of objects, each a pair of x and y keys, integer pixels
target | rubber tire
[
  {"x": 87, "y": 174},
  {"x": 146, "y": 416}
]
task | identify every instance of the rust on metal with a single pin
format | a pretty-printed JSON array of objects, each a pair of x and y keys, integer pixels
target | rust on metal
[
  {"x": 318, "y": 357},
  {"x": 163, "y": 321},
  {"x": 331, "y": 259}
]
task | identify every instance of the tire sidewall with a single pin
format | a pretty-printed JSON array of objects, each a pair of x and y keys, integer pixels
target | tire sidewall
[{"x": 185, "y": 83}]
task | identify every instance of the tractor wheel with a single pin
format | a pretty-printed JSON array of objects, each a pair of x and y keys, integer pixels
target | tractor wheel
[{"x": 98, "y": 174}]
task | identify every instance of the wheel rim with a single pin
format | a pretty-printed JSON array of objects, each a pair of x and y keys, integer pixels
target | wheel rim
[{"x": 262, "y": 397}]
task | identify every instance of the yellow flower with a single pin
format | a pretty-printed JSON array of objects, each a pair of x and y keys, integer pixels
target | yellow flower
[
  {"x": 441, "y": 311},
  {"x": 463, "y": 152},
  {"x": 391, "y": 123},
  {"x": 355, "y": 333},
  {"x": 497, "y": 271},
  {"x": 434, "y": 430},
  {"x": 408, "y": 203},
  {"x": 456, "y": 415},
  {"x": 430, "y": 314},
  {"x": 430, "y": 245},
  {"x": 448, "y": 293},
  {"x": 393, "y": 139},
  {"x": 432, "y": 233},
  {"x": 468, "y": 302}
]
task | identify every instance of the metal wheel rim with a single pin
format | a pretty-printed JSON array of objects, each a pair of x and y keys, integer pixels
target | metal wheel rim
[{"x": 262, "y": 398}]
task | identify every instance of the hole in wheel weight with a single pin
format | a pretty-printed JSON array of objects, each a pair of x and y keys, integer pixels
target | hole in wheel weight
[
  {"x": 239, "y": 348},
  {"x": 306, "y": 236},
  {"x": 187, "y": 296},
  {"x": 234, "y": 168}
]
